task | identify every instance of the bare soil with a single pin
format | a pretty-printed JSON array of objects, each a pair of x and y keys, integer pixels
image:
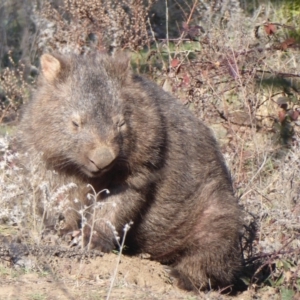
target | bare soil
[{"x": 63, "y": 278}]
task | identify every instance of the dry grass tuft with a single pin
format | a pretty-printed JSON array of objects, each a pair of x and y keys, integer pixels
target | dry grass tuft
[{"x": 14, "y": 91}]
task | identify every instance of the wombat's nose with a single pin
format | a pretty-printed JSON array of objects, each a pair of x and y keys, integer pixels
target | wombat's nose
[{"x": 101, "y": 158}]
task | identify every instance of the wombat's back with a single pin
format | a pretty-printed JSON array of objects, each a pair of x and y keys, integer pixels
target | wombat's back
[{"x": 193, "y": 208}]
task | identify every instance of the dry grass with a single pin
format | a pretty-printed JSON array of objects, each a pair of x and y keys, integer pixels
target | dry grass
[
  {"x": 13, "y": 91},
  {"x": 79, "y": 25}
]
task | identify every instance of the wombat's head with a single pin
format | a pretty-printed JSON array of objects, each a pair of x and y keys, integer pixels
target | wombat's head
[{"x": 79, "y": 117}]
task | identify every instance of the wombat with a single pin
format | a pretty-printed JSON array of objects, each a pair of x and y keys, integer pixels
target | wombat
[{"x": 98, "y": 124}]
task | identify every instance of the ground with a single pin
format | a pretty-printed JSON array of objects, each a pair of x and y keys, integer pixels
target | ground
[{"x": 137, "y": 278}]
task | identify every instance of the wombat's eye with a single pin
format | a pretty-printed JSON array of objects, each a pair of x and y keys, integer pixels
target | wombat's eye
[
  {"x": 75, "y": 124},
  {"x": 121, "y": 123}
]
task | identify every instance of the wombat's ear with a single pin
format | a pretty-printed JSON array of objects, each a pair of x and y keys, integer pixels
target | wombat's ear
[
  {"x": 50, "y": 66},
  {"x": 121, "y": 65}
]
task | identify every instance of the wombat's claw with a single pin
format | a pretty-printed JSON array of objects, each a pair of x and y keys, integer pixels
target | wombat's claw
[
  {"x": 76, "y": 237},
  {"x": 169, "y": 277}
]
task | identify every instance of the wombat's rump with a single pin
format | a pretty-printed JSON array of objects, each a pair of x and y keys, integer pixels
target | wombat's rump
[{"x": 97, "y": 123}]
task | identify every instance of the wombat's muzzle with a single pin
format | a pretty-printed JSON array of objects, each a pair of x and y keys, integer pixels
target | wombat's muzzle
[{"x": 100, "y": 158}]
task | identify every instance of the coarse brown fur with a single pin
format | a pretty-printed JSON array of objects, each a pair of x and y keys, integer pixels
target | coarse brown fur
[{"x": 97, "y": 123}]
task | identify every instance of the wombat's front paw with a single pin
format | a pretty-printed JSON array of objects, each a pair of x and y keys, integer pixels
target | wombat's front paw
[
  {"x": 97, "y": 240},
  {"x": 83, "y": 239}
]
